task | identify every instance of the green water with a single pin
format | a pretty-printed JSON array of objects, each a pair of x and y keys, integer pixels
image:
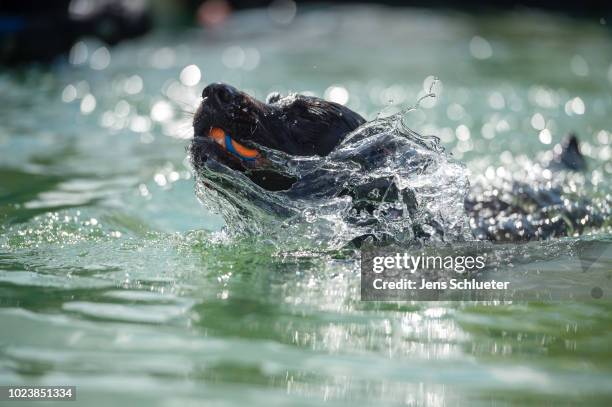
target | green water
[{"x": 114, "y": 278}]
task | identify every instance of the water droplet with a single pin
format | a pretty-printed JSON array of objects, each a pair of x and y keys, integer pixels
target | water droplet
[
  {"x": 462, "y": 132},
  {"x": 88, "y": 104},
  {"x": 579, "y": 66},
  {"x": 497, "y": 101},
  {"x": 69, "y": 94},
  {"x": 100, "y": 59},
  {"x": 133, "y": 85},
  {"x": 78, "y": 53},
  {"x": 480, "y": 48},
  {"x": 337, "y": 94},
  {"x": 162, "y": 111},
  {"x": 190, "y": 75},
  {"x": 545, "y": 136},
  {"x": 140, "y": 124},
  {"x": 251, "y": 59},
  {"x": 538, "y": 122}
]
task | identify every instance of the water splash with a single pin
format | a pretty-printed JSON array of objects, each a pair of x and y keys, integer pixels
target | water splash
[{"x": 383, "y": 182}]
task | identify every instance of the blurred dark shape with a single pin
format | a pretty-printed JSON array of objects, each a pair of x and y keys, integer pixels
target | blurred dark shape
[
  {"x": 568, "y": 154},
  {"x": 32, "y": 30},
  {"x": 212, "y": 13},
  {"x": 39, "y": 30},
  {"x": 599, "y": 8}
]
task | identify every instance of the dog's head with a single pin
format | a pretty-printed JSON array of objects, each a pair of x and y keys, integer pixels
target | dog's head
[{"x": 231, "y": 128}]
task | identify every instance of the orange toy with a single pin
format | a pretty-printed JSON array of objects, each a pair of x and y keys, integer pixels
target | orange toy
[{"x": 225, "y": 141}]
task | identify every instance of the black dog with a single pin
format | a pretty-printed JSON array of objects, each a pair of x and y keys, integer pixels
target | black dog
[{"x": 308, "y": 126}]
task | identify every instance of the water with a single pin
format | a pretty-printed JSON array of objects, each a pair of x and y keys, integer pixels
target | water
[
  {"x": 115, "y": 279},
  {"x": 414, "y": 193}
]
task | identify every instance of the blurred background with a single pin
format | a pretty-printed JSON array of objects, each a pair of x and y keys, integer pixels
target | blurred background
[
  {"x": 114, "y": 278},
  {"x": 23, "y": 23}
]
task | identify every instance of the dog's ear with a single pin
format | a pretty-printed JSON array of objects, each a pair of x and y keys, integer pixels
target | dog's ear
[{"x": 322, "y": 124}]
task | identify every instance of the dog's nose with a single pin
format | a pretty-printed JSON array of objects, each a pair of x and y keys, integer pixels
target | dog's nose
[{"x": 220, "y": 92}]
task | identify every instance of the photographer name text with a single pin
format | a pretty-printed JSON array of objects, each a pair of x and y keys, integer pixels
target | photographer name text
[{"x": 402, "y": 265}]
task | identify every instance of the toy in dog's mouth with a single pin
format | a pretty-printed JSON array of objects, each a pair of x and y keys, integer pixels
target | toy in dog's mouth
[
  {"x": 218, "y": 146},
  {"x": 254, "y": 164},
  {"x": 222, "y": 138}
]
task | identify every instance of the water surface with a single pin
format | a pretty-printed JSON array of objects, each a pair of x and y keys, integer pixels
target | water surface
[{"x": 115, "y": 279}]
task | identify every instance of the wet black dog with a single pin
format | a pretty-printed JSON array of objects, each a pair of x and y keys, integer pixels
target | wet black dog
[{"x": 308, "y": 126}]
